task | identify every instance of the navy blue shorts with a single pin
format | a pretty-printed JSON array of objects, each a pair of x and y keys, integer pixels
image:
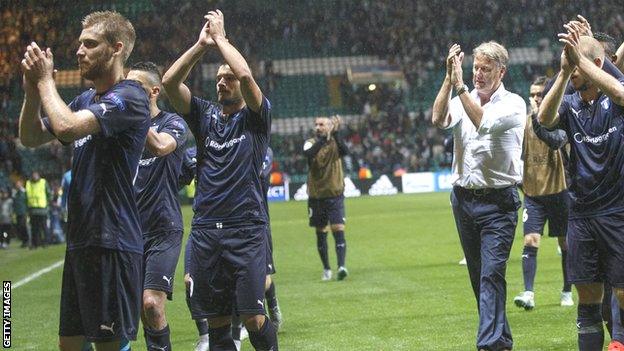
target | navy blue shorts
[
  {"x": 269, "y": 259},
  {"x": 596, "y": 249},
  {"x": 160, "y": 258},
  {"x": 228, "y": 270},
  {"x": 101, "y": 294},
  {"x": 328, "y": 210},
  {"x": 552, "y": 208}
]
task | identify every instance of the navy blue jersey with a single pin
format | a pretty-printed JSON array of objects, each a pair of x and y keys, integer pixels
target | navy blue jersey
[
  {"x": 102, "y": 203},
  {"x": 157, "y": 183},
  {"x": 230, "y": 152},
  {"x": 189, "y": 166},
  {"x": 596, "y": 154}
]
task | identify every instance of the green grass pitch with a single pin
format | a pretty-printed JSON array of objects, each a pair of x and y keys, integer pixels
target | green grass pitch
[{"x": 405, "y": 290}]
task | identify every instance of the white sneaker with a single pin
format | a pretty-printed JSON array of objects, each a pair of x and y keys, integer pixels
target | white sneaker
[
  {"x": 566, "y": 299},
  {"x": 463, "y": 262},
  {"x": 327, "y": 275},
  {"x": 202, "y": 343},
  {"x": 525, "y": 300}
]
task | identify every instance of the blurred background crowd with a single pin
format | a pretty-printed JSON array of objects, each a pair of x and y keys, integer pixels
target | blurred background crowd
[{"x": 302, "y": 54}]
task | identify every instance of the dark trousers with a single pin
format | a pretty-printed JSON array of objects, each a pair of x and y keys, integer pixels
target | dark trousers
[
  {"x": 22, "y": 230},
  {"x": 486, "y": 220},
  {"x": 38, "y": 229}
]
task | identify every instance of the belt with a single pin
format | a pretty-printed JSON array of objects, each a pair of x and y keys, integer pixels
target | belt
[{"x": 481, "y": 191}]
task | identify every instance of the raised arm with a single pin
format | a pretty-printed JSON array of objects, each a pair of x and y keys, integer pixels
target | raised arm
[
  {"x": 440, "y": 116},
  {"x": 548, "y": 114},
  {"x": 619, "y": 62},
  {"x": 32, "y": 132},
  {"x": 605, "y": 82},
  {"x": 173, "y": 80},
  {"x": 66, "y": 125},
  {"x": 249, "y": 88}
]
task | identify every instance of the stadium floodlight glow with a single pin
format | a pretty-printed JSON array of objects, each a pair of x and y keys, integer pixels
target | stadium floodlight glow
[{"x": 372, "y": 87}]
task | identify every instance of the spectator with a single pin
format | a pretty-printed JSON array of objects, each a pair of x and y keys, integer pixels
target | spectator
[
  {"x": 37, "y": 200},
  {"x": 6, "y": 219},
  {"x": 19, "y": 208}
]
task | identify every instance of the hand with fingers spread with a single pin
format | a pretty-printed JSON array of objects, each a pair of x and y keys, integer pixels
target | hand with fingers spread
[
  {"x": 571, "y": 41},
  {"x": 453, "y": 52},
  {"x": 216, "y": 27},
  {"x": 37, "y": 65},
  {"x": 584, "y": 26}
]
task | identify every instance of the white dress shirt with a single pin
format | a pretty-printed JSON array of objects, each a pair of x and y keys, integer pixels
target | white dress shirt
[{"x": 489, "y": 156}]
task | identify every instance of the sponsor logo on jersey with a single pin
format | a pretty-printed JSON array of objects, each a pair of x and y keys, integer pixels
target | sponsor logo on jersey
[
  {"x": 80, "y": 142},
  {"x": 579, "y": 138},
  {"x": 228, "y": 144},
  {"x": 147, "y": 161}
]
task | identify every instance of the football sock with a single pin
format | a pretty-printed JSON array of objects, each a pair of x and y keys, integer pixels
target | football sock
[
  {"x": 567, "y": 287},
  {"x": 270, "y": 296},
  {"x": 321, "y": 245},
  {"x": 221, "y": 339},
  {"x": 341, "y": 247},
  {"x": 124, "y": 345},
  {"x": 529, "y": 266},
  {"x": 590, "y": 331},
  {"x": 237, "y": 325},
  {"x": 264, "y": 339},
  {"x": 157, "y": 339},
  {"x": 202, "y": 326}
]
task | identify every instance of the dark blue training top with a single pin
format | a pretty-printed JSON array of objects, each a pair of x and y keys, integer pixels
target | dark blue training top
[
  {"x": 596, "y": 154},
  {"x": 230, "y": 151},
  {"x": 102, "y": 206},
  {"x": 157, "y": 183}
]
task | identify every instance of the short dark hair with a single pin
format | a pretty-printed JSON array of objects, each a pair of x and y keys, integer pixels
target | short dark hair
[
  {"x": 607, "y": 41},
  {"x": 150, "y": 68},
  {"x": 541, "y": 80}
]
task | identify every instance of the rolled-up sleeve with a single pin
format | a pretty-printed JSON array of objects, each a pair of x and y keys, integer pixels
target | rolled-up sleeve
[
  {"x": 456, "y": 110},
  {"x": 507, "y": 113}
]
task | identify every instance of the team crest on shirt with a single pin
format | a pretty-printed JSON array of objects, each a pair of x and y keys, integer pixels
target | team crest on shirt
[
  {"x": 606, "y": 103},
  {"x": 178, "y": 125}
]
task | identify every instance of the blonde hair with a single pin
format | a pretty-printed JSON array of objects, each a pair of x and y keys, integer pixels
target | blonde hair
[
  {"x": 114, "y": 27},
  {"x": 494, "y": 51}
]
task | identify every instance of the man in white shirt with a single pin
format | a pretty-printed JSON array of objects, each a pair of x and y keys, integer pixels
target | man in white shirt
[{"x": 488, "y": 128}]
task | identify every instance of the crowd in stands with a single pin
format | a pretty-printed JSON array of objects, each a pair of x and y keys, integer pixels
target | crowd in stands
[{"x": 387, "y": 137}]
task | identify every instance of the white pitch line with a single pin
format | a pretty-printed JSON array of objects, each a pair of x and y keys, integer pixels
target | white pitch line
[{"x": 37, "y": 274}]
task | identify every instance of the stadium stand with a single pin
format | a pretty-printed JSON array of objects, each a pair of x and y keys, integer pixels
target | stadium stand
[{"x": 303, "y": 66}]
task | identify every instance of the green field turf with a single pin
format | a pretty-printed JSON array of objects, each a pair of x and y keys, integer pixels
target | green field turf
[{"x": 405, "y": 290}]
